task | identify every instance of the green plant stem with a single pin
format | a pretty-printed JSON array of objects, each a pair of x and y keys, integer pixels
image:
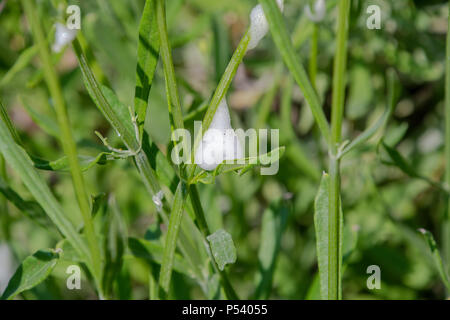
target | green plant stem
[
  {"x": 337, "y": 113},
  {"x": 284, "y": 44},
  {"x": 171, "y": 238},
  {"x": 177, "y": 123},
  {"x": 220, "y": 92},
  {"x": 446, "y": 220},
  {"x": 67, "y": 140},
  {"x": 4, "y": 217},
  {"x": 173, "y": 99},
  {"x": 313, "y": 55},
  {"x": 203, "y": 226}
]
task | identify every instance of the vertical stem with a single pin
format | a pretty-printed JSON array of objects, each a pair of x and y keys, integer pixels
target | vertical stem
[
  {"x": 169, "y": 72},
  {"x": 337, "y": 112},
  {"x": 313, "y": 56},
  {"x": 67, "y": 140},
  {"x": 4, "y": 215},
  {"x": 446, "y": 221}
]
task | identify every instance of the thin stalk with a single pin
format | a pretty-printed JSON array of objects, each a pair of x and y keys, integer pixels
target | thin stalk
[
  {"x": 4, "y": 217},
  {"x": 313, "y": 56},
  {"x": 177, "y": 123},
  {"x": 67, "y": 140},
  {"x": 141, "y": 159},
  {"x": 203, "y": 226},
  {"x": 173, "y": 99},
  {"x": 446, "y": 222},
  {"x": 290, "y": 58},
  {"x": 171, "y": 238},
  {"x": 337, "y": 113}
]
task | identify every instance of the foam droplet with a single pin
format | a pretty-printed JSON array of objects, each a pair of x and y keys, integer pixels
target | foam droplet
[
  {"x": 63, "y": 36},
  {"x": 259, "y": 25},
  {"x": 157, "y": 200},
  {"x": 220, "y": 142}
]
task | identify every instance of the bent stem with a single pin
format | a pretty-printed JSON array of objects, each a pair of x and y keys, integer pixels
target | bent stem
[
  {"x": 337, "y": 112},
  {"x": 67, "y": 140}
]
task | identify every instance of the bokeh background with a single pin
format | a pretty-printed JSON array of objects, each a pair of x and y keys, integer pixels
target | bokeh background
[{"x": 383, "y": 206}]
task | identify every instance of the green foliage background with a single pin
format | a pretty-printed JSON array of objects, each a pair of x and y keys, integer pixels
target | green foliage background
[{"x": 383, "y": 205}]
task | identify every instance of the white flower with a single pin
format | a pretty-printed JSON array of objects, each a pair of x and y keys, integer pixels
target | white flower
[
  {"x": 63, "y": 36},
  {"x": 219, "y": 142},
  {"x": 319, "y": 11},
  {"x": 259, "y": 25}
]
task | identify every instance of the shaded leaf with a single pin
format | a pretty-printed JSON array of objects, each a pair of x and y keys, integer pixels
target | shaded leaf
[
  {"x": 31, "y": 209},
  {"x": 321, "y": 208},
  {"x": 32, "y": 271},
  {"x": 273, "y": 224},
  {"x": 222, "y": 248},
  {"x": 152, "y": 251},
  {"x": 21, "y": 163},
  {"x": 209, "y": 177},
  {"x": 436, "y": 257},
  {"x": 148, "y": 54},
  {"x": 62, "y": 164}
]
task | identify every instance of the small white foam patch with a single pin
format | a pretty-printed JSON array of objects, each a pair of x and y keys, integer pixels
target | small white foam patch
[
  {"x": 157, "y": 200},
  {"x": 319, "y": 11},
  {"x": 220, "y": 142},
  {"x": 259, "y": 25},
  {"x": 63, "y": 36}
]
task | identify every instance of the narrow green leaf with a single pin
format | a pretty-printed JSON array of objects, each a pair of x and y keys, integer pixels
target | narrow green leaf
[
  {"x": 173, "y": 99},
  {"x": 107, "y": 102},
  {"x": 46, "y": 123},
  {"x": 222, "y": 248},
  {"x": 31, "y": 209},
  {"x": 284, "y": 44},
  {"x": 114, "y": 245},
  {"x": 436, "y": 257},
  {"x": 172, "y": 235},
  {"x": 62, "y": 164},
  {"x": 273, "y": 223},
  {"x": 32, "y": 271},
  {"x": 21, "y": 63},
  {"x": 393, "y": 93},
  {"x": 399, "y": 161},
  {"x": 21, "y": 163},
  {"x": 321, "y": 208},
  {"x": 148, "y": 53},
  {"x": 152, "y": 251},
  {"x": 208, "y": 177}
]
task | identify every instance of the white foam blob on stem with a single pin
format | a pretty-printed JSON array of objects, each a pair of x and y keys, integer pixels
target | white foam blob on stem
[
  {"x": 319, "y": 11},
  {"x": 259, "y": 25},
  {"x": 157, "y": 200},
  {"x": 63, "y": 36},
  {"x": 220, "y": 142}
]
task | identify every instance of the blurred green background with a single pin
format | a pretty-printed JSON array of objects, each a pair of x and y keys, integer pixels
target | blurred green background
[{"x": 383, "y": 207}]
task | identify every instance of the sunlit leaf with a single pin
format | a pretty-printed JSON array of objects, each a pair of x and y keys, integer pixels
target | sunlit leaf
[{"x": 32, "y": 271}]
